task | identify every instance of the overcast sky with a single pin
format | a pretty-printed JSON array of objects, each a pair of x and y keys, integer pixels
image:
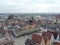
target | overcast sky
[{"x": 29, "y": 6}]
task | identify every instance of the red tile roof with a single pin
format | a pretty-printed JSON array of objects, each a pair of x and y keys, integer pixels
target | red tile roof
[
  {"x": 37, "y": 38},
  {"x": 59, "y": 34},
  {"x": 58, "y": 16},
  {"x": 56, "y": 43},
  {"x": 44, "y": 33},
  {"x": 47, "y": 34},
  {"x": 46, "y": 40}
]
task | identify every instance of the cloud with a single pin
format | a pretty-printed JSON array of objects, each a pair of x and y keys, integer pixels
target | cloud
[{"x": 30, "y": 6}]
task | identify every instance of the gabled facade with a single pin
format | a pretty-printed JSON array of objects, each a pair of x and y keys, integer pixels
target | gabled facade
[
  {"x": 52, "y": 39},
  {"x": 38, "y": 39},
  {"x": 42, "y": 42},
  {"x": 49, "y": 36},
  {"x": 58, "y": 36},
  {"x": 47, "y": 42}
]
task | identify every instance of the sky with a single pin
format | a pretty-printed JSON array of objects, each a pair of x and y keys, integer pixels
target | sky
[{"x": 29, "y": 6}]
